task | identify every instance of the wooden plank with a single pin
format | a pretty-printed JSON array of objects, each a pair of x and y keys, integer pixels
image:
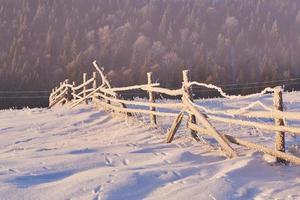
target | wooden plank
[
  {"x": 76, "y": 96},
  {"x": 174, "y": 106},
  {"x": 263, "y": 114},
  {"x": 222, "y": 93},
  {"x": 224, "y": 143},
  {"x": 73, "y": 91},
  {"x": 278, "y": 154},
  {"x": 134, "y": 87},
  {"x": 187, "y": 91},
  {"x": 160, "y": 90},
  {"x": 153, "y": 119},
  {"x": 104, "y": 79},
  {"x": 94, "y": 84},
  {"x": 86, "y": 91},
  {"x": 174, "y": 127},
  {"x": 84, "y": 87},
  {"x": 280, "y": 136},
  {"x": 257, "y": 147},
  {"x": 132, "y": 110},
  {"x": 88, "y": 96},
  {"x": 268, "y": 127},
  {"x": 87, "y": 82}
]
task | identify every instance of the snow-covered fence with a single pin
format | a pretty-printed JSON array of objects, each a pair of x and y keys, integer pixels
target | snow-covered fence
[
  {"x": 200, "y": 119},
  {"x": 67, "y": 92}
]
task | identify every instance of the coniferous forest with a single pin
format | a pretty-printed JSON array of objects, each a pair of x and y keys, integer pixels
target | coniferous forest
[{"x": 220, "y": 41}]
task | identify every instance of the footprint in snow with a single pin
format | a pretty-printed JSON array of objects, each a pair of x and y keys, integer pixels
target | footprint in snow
[
  {"x": 126, "y": 162},
  {"x": 97, "y": 189},
  {"x": 110, "y": 181},
  {"x": 117, "y": 155},
  {"x": 132, "y": 145},
  {"x": 167, "y": 162},
  {"x": 177, "y": 174},
  {"x": 156, "y": 154},
  {"x": 24, "y": 141},
  {"x": 111, "y": 175},
  {"x": 160, "y": 154},
  {"x": 108, "y": 160}
]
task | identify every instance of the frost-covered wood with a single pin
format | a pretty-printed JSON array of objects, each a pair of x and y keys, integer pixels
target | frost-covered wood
[
  {"x": 174, "y": 106},
  {"x": 279, "y": 138},
  {"x": 202, "y": 119},
  {"x": 62, "y": 93},
  {"x": 94, "y": 82},
  {"x": 88, "y": 96},
  {"x": 87, "y": 82},
  {"x": 134, "y": 87},
  {"x": 263, "y": 126},
  {"x": 73, "y": 91},
  {"x": 68, "y": 92},
  {"x": 105, "y": 82},
  {"x": 151, "y": 99},
  {"x": 84, "y": 86},
  {"x": 166, "y": 91},
  {"x": 264, "y": 149},
  {"x": 58, "y": 89},
  {"x": 267, "y": 115},
  {"x": 188, "y": 93},
  {"x": 253, "y": 114},
  {"x": 210, "y": 86},
  {"x": 60, "y": 99},
  {"x": 174, "y": 128},
  {"x": 257, "y": 147},
  {"x": 76, "y": 96},
  {"x": 133, "y": 110},
  {"x": 85, "y": 91}
]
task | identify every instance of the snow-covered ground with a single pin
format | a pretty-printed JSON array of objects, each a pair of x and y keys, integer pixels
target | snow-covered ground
[{"x": 85, "y": 153}]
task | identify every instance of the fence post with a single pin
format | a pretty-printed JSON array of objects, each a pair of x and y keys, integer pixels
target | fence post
[
  {"x": 60, "y": 87},
  {"x": 68, "y": 91},
  {"x": 51, "y": 97},
  {"x": 188, "y": 92},
  {"x": 280, "y": 136},
  {"x": 94, "y": 84},
  {"x": 73, "y": 90},
  {"x": 54, "y": 97},
  {"x": 153, "y": 118},
  {"x": 84, "y": 87}
]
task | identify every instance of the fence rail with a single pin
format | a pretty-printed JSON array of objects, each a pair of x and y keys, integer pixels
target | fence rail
[{"x": 200, "y": 118}]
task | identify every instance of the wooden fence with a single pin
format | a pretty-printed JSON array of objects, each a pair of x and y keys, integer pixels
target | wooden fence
[{"x": 199, "y": 118}]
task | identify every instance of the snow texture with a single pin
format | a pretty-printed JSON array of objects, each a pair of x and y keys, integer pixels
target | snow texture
[{"x": 85, "y": 153}]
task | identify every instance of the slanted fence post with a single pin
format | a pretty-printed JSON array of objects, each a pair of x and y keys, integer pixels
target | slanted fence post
[
  {"x": 73, "y": 90},
  {"x": 94, "y": 84},
  {"x": 84, "y": 87},
  {"x": 174, "y": 127},
  {"x": 153, "y": 119},
  {"x": 280, "y": 136},
  {"x": 188, "y": 92}
]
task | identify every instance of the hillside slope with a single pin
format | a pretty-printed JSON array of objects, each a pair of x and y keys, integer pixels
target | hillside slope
[{"x": 86, "y": 154}]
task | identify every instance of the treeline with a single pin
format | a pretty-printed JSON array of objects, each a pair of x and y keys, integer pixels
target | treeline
[{"x": 220, "y": 41}]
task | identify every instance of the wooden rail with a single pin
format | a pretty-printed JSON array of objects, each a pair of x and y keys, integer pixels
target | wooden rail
[{"x": 199, "y": 118}]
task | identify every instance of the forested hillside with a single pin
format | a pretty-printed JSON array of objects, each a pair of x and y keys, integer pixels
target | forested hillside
[{"x": 220, "y": 41}]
